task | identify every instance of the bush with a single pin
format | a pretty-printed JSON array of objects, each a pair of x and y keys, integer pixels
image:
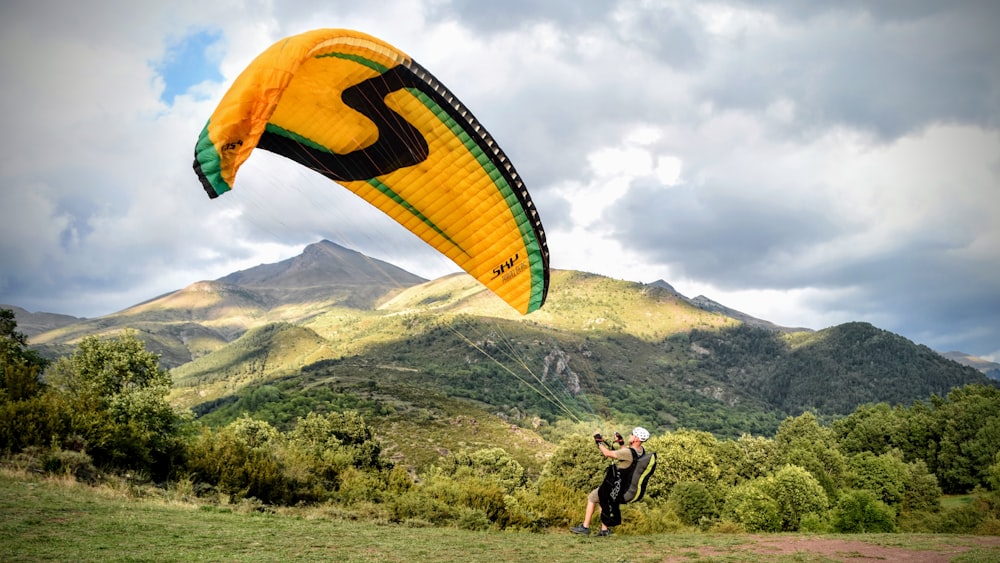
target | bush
[
  {"x": 554, "y": 502},
  {"x": 416, "y": 507},
  {"x": 685, "y": 455},
  {"x": 69, "y": 462},
  {"x": 56, "y": 461},
  {"x": 750, "y": 505},
  {"x": 797, "y": 493},
  {"x": 230, "y": 465},
  {"x": 814, "y": 523},
  {"x": 860, "y": 512},
  {"x": 648, "y": 518},
  {"x": 885, "y": 475},
  {"x": 693, "y": 503},
  {"x": 922, "y": 490},
  {"x": 920, "y": 522}
]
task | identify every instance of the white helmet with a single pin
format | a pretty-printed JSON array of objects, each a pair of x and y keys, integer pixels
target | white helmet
[{"x": 641, "y": 433}]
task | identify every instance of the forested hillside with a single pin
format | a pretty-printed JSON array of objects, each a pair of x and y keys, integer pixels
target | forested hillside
[{"x": 102, "y": 412}]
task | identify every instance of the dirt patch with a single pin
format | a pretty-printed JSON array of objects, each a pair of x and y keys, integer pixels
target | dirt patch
[{"x": 804, "y": 548}]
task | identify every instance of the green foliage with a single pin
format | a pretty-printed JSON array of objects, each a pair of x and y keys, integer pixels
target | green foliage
[
  {"x": 885, "y": 475},
  {"x": 744, "y": 459},
  {"x": 870, "y": 428},
  {"x": 14, "y": 348},
  {"x": 333, "y": 456},
  {"x": 685, "y": 455},
  {"x": 106, "y": 368},
  {"x": 576, "y": 465},
  {"x": 115, "y": 395},
  {"x": 693, "y": 503},
  {"x": 750, "y": 504},
  {"x": 541, "y": 505},
  {"x": 994, "y": 473},
  {"x": 797, "y": 493},
  {"x": 922, "y": 492},
  {"x": 970, "y": 437},
  {"x": 347, "y": 433},
  {"x": 492, "y": 464},
  {"x": 862, "y": 512},
  {"x": 32, "y": 422},
  {"x": 801, "y": 441},
  {"x": 647, "y": 518},
  {"x": 19, "y": 366},
  {"x": 241, "y": 461}
]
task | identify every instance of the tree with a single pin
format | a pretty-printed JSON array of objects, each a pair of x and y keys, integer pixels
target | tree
[
  {"x": 692, "y": 502},
  {"x": 922, "y": 490},
  {"x": 860, "y": 512},
  {"x": 684, "y": 455},
  {"x": 970, "y": 437},
  {"x": 870, "y": 428},
  {"x": 746, "y": 458},
  {"x": 116, "y": 394},
  {"x": 751, "y": 505},
  {"x": 884, "y": 475},
  {"x": 994, "y": 473},
  {"x": 19, "y": 366},
  {"x": 803, "y": 442},
  {"x": 796, "y": 493}
]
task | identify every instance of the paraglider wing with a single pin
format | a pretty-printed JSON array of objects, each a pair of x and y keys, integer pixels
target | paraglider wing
[{"x": 365, "y": 115}]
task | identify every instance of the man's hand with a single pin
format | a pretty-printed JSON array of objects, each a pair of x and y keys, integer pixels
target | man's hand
[
  {"x": 619, "y": 439},
  {"x": 598, "y": 439}
]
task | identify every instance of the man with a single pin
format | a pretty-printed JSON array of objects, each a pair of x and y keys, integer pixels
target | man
[{"x": 606, "y": 498}]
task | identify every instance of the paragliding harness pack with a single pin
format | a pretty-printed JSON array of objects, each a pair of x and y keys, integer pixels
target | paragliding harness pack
[{"x": 622, "y": 486}]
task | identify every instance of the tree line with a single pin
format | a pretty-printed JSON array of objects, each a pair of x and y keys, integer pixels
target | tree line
[{"x": 103, "y": 412}]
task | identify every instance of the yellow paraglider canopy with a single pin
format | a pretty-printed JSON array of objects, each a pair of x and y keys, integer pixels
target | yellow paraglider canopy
[{"x": 364, "y": 114}]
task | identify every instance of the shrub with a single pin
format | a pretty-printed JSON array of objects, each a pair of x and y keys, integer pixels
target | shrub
[
  {"x": 861, "y": 512},
  {"x": 648, "y": 518},
  {"x": 685, "y": 455},
  {"x": 693, "y": 503},
  {"x": 576, "y": 465},
  {"x": 230, "y": 465},
  {"x": 494, "y": 464},
  {"x": 553, "y": 502},
  {"x": 796, "y": 492},
  {"x": 920, "y": 522},
  {"x": 750, "y": 505},
  {"x": 814, "y": 523},
  {"x": 979, "y": 516},
  {"x": 885, "y": 475}
]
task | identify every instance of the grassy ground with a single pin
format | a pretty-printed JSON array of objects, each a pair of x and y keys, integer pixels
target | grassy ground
[{"x": 53, "y": 520}]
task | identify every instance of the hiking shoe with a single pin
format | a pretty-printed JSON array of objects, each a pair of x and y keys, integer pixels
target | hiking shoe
[
  {"x": 604, "y": 533},
  {"x": 582, "y": 530}
]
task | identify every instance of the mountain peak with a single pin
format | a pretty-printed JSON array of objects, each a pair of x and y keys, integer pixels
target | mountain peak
[{"x": 320, "y": 265}]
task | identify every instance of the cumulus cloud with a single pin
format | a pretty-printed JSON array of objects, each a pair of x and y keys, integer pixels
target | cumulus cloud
[{"x": 807, "y": 163}]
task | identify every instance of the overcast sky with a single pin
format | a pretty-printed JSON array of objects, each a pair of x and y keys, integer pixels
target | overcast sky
[{"x": 809, "y": 163}]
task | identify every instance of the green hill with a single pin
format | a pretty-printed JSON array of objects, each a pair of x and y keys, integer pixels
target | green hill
[{"x": 441, "y": 365}]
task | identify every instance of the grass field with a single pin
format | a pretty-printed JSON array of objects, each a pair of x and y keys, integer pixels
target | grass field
[{"x": 61, "y": 520}]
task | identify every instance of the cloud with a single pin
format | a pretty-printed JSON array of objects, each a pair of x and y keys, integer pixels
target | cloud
[{"x": 808, "y": 163}]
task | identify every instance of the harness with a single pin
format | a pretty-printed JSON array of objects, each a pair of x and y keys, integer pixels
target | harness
[{"x": 612, "y": 491}]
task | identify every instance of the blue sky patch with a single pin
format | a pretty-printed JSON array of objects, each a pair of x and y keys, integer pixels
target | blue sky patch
[{"x": 187, "y": 62}]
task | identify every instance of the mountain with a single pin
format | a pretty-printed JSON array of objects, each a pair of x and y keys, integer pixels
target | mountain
[
  {"x": 207, "y": 315},
  {"x": 706, "y": 304},
  {"x": 36, "y": 323},
  {"x": 442, "y": 364},
  {"x": 324, "y": 272},
  {"x": 991, "y": 369}
]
